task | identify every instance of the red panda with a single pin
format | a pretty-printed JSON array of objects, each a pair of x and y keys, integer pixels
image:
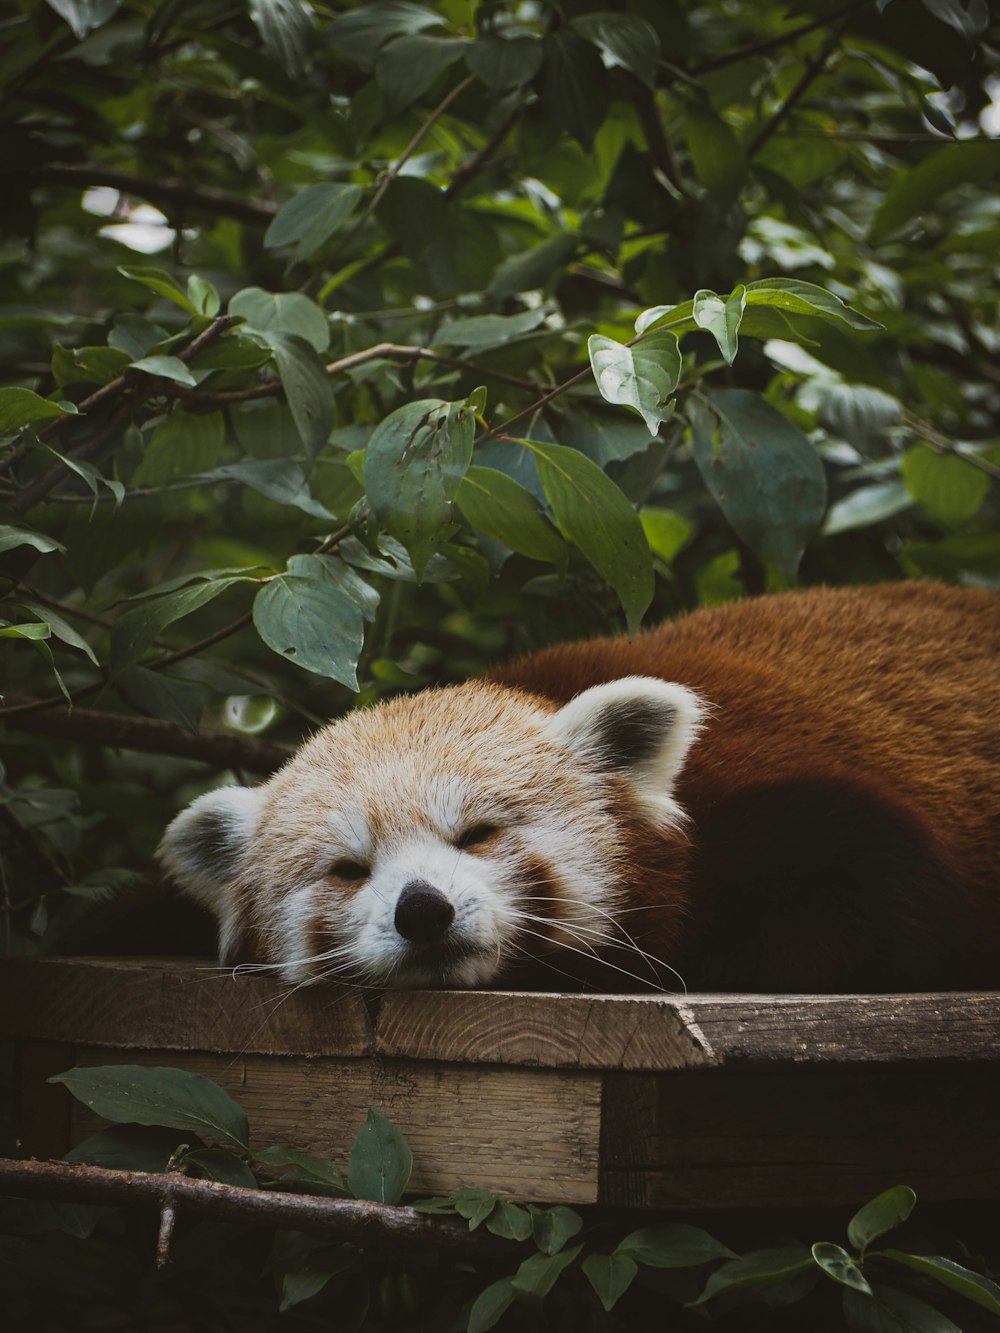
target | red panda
[{"x": 794, "y": 793}]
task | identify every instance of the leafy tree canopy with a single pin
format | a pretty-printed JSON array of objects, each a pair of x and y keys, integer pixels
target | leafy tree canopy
[{"x": 346, "y": 348}]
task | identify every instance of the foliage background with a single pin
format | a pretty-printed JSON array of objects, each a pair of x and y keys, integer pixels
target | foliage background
[
  {"x": 240, "y": 241},
  {"x": 239, "y": 237}
]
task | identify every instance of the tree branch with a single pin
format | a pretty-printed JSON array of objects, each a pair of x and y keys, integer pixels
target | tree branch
[
  {"x": 151, "y": 736},
  {"x": 167, "y": 190},
  {"x": 343, "y": 1219},
  {"x": 783, "y": 39},
  {"x": 811, "y": 72}
]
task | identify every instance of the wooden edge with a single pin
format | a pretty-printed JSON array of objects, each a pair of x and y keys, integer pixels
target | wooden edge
[{"x": 183, "y": 1005}]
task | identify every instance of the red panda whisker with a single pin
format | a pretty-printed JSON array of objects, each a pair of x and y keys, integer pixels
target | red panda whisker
[{"x": 592, "y": 954}]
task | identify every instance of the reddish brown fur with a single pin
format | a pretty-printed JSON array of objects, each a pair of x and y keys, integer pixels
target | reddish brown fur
[{"x": 843, "y": 795}]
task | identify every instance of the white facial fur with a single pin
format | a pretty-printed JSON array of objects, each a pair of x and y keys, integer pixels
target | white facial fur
[{"x": 396, "y": 789}]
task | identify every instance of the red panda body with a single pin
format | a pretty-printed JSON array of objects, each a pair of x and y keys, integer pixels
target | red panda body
[
  {"x": 844, "y": 795},
  {"x": 799, "y": 792}
]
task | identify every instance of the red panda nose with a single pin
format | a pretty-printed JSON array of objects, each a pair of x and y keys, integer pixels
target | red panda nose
[{"x": 423, "y": 913}]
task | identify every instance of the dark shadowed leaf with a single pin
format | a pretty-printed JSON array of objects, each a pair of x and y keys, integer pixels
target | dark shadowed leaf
[
  {"x": 973, "y": 1286},
  {"x": 553, "y": 1227},
  {"x": 288, "y": 30},
  {"x": 610, "y": 1275},
  {"x": 280, "y": 479},
  {"x": 146, "y": 1095},
  {"x": 505, "y": 62},
  {"x": 510, "y": 1221},
  {"x": 222, "y": 1165},
  {"x": 131, "y": 1147},
  {"x": 408, "y": 65},
  {"x": 757, "y": 1269},
  {"x": 306, "y": 386},
  {"x": 158, "y": 695},
  {"x": 21, "y": 407},
  {"x": 380, "y": 1162},
  {"x": 415, "y": 462},
  {"x": 310, "y": 219},
  {"x": 539, "y": 1273},
  {"x": 595, "y": 516},
  {"x": 533, "y": 268},
  {"x": 623, "y": 39},
  {"x": 762, "y": 472},
  {"x": 889, "y": 1311},
  {"x": 134, "y": 631},
  {"x": 83, "y": 16},
  {"x": 490, "y": 1305},
  {"x": 573, "y": 91},
  {"x": 160, "y": 282},
  {"x": 934, "y": 178},
  {"x": 361, "y": 32},
  {"x": 282, "y": 312},
  {"x": 674, "y": 1246},
  {"x": 496, "y": 505}
]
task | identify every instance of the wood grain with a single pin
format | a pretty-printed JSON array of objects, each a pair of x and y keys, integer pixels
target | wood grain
[
  {"x": 189, "y": 1006},
  {"x": 529, "y": 1134}
]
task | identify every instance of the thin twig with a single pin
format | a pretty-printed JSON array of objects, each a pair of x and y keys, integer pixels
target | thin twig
[
  {"x": 150, "y": 736},
  {"x": 354, "y": 1220},
  {"x": 783, "y": 39},
  {"x": 812, "y": 70}
]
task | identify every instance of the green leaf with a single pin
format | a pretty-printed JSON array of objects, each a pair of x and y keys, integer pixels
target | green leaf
[
  {"x": 970, "y": 21},
  {"x": 505, "y": 62},
  {"x": 883, "y": 1213},
  {"x": 288, "y": 30},
  {"x": 380, "y": 1162},
  {"x": 553, "y": 1227},
  {"x": 146, "y": 1095},
  {"x": 203, "y": 295},
  {"x": 509, "y": 1221},
  {"x": 595, "y": 516},
  {"x": 674, "y": 1246},
  {"x": 313, "y": 624},
  {"x": 160, "y": 282},
  {"x": 973, "y": 1286},
  {"x": 416, "y": 459},
  {"x": 721, "y": 316},
  {"x": 474, "y": 1204},
  {"x": 83, "y": 16},
  {"x": 304, "y": 1164},
  {"x": 490, "y": 1305},
  {"x": 280, "y": 479},
  {"x": 891, "y": 1311},
  {"x": 34, "y": 630},
  {"x": 332, "y": 569},
  {"x": 307, "y": 388},
  {"x": 610, "y": 1275},
  {"x": 539, "y": 1273},
  {"x": 481, "y": 333},
  {"x": 313, "y": 1273},
  {"x": 937, "y": 177},
  {"x": 165, "y": 367},
  {"x": 282, "y": 312},
  {"x": 762, "y": 472},
  {"x": 836, "y": 1263},
  {"x": 129, "y": 1147},
  {"x": 716, "y": 153},
  {"x": 11, "y": 537},
  {"x": 156, "y": 695},
  {"x": 953, "y": 557},
  {"x": 643, "y": 377},
  {"x": 533, "y": 268},
  {"x": 310, "y": 219},
  {"x": 135, "y": 629},
  {"x": 361, "y": 32},
  {"x": 623, "y": 39},
  {"x": 408, "y": 65},
  {"x": 222, "y": 1165},
  {"x": 667, "y": 532},
  {"x": 88, "y": 365},
  {"x": 805, "y": 298},
  {"x": 496, "y": 505},
  {"x": 572, "y": 91},
  {"x": 950, "y": 489},
  {"x": 865, "y": 506},
  {"x": 182, "y": 445},
  {"x": 760, "y": 1268},
  {"x": 21, "y": 407}
]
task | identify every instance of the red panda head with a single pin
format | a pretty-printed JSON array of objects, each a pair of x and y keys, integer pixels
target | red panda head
[{"x": 441, "y": 838}]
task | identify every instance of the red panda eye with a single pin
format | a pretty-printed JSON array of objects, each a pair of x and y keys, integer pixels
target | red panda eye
[
  {"x": 349, "y": 870},
  {"x": 475, "y": 834}
]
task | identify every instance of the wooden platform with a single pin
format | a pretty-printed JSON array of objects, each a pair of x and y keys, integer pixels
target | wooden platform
[{"x": 695, "y": 1101}]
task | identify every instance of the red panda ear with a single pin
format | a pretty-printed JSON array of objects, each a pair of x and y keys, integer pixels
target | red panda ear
[
  {"x": 640, "y": 728},
  {"x": 203, "y": 849}
]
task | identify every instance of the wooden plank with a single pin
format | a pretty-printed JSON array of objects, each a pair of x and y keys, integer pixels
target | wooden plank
[
  {"x": 526, "y": 1133},
  {"x": 556, "y": 1031},
  {"x": 179, "y": 1005},
  {"x": 800, "y": 1137},
  {"x": 187, "y": 1006}
]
